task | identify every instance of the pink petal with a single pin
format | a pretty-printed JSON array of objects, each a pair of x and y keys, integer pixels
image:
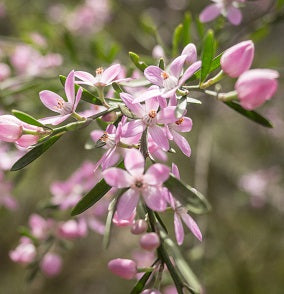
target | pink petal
[
  {"x": 182, "y": 143},
  {"x": 96, "y": 225},
  {"x": 189, "y": 72},
  {"x": 166, "y": 115},
  {"x": 153, "y": 74},
  {"x": 51, "y": 100},
  {"x": 177, "y": 65},
  {"x": 127, "y": 204},
  {"x": 117, "y": 177},
  {"x": 179, "y": 232},
  {"x": 190, "y": 52},
  {"x": 135, "y": 107},
  {"x": 151, "y": 104},
  {"x": 134, "y": 162},
  {"x": 69, "y": 87},
  {"x": 111, "y": 159},
  {"x": 110, "y": 73},
  {"x": 157, "y": 174},
  {"x": 86, "y": 77},
  {"x": 159, "y": 137},
  {"x": 78, "y": 97},
  {"x": 209, "y": 13},
  {"x": 192, "y": 225},
  {"x": 133, "y": 128},
  {"x": 234, "y": 15},
  {"x": 185, "y": 125},
  {"x": 170, "y": 94},
  {"x": 54, "y": 120},
  {"x": 155, "y": 198},
  {"x": 147, "y": 95},
  {"x": 175, "y": 171}
]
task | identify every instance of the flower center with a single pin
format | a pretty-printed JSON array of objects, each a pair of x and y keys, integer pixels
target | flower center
[
  {"x": 99, "y": 70},
  {"x": 63, "y": 107},
  {"x": 152, "y": 113},
  {"x": 139, "y": 184},
  {"x": 150, "y": 118},
  {"x": 164, "y": 75},
  {"x": 180, "y": 121},
  {"x": 108, "y": 139}
]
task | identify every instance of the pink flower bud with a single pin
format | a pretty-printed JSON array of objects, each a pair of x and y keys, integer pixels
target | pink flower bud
[
  {"x": 238, "y": 58},
  {"x": 51, "y": 264},
  {"x": 124, "y": 268},
  {"x": 123, "y": 222},
  {"x": 158, "y": 52},
  {"x": 73, "y": 229},
  {"x": 139, "y": 227},
  {"x": 190, "y": 51},
  {"x": 10, "y": 128},
  {"x": 256, "y": 86},
  {"x": 150, "y": 241},
  {"x": 24, "y": 253}
]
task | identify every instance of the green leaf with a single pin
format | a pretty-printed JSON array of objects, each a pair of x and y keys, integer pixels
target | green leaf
[
  {"x": 111, "y": 211},
  {"x": 27, "y": 118},
  {"x": 93, "y": 196},
  {"x": 200, "y": 27},
  {"x": 138, "y": 288},
  {"x": 186, "y": 37},
  {"x": 161, "y": 63},
  {"x": 70, "y": 45},
  {"x": 35, "y": 153},
  {"x": 214, "y": 65},
  {"x": 207, "y": 54},
  {"x": 86, "y": 95},
  {"x": 177, "y": 38},
  {"x": 193, "y": 200},
  {"x": 181, "y": 107},
  {"x": 141, "y": 65},
  {"x": 117, "y": 88},
  {"x": 125, "y": 111},
  {"x": 252, "y": 115}
]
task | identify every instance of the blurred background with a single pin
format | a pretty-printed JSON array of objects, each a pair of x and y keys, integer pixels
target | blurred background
[{"x": 236, "y": 163}]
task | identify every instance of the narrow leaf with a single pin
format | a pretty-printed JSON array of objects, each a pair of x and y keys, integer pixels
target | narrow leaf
[
  {"x": 111, "y": 210},
  {"x": 138, "y": 288},
  {"x": 177, "y": 37},
  {"x": 207, "y": 54},
  {"x": 252, "y": 115},
  {"x": 193, "y": 200},
  {"x": 181, "y": 107},
  {"x": 27, "y": 118},
  {"x": 35, "y": 153},
  {"x": 141, "y": 65},
  {"x": 161, "y": 63},
  {"x": 186, "y": 28},
  {"x": 117, "y": 88}
]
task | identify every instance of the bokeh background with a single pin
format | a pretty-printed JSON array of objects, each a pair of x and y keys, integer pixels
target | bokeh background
[{"x": 236, "y": 163}]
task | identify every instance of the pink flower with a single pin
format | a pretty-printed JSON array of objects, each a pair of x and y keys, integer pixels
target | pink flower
[
  {"x": 149, "y": 185},
  {"x": 103, "y": 78},
  {"x": 150, "y": 241},
  {"x": 256, "y": 86},
  {"x": 11, "y": 128},
  {"x": 6, "y": 198},
  {"x": 24, "y": 253},
  {"x": 57, "y": 104},
  {"x": 181, "y": 214},
  {"x": 39, "y": 226},
  {"x": 124, "y": 268},
  {"x": 169, "y": 80},
  {"x": 228, "y": 8},
  {"x": 190, "y": 51},
  {"x": 183, "y": 124},
  {"x": 5, "y": 71},
  {"x": 148, "y": 117},
  {"x": 123, "y": 222},
  {"x": 73, "y": 229},
  {"x": 238, "y": 59},
  {"x": 51, "y": 264}
]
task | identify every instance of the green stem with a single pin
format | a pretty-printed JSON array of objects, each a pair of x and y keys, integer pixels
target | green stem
[
  {"x": 145, "y": 269},
  {"x": 78, "y": 116},
  {"x": 225, "y": 97},
  {"x": 102, "y": 96},
  {"x": 213, "y": 80}
]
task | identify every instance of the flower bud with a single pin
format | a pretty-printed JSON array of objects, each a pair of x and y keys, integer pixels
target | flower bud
[
  {"x": 124, "y": 268},
  {"x": 150, "y": 241},
  {"x": 256, "y": 86},
  {"x": 24, "y": 253},
  {"x": 10, "y": 128},
  {"x": 190, "y": 51},
  {"x": 237, "y": 59},
  {"x": 51, "y": 264},
  {"x": 139, "y": 227},
  {"x": 73, "y": 229}
]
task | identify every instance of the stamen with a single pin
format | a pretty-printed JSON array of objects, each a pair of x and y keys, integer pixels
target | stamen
[
  {"x": 104, "y": 137},
  {"x": 164, "y": 75},
  {"x": 180, "y": 121},
  {"x": 99, "y": 70},
  {"x": 152, "y": 113}
]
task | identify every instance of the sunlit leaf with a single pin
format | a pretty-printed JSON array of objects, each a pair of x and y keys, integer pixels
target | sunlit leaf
[
  {"x": 27, "y": 118},
  {"x": 141, "y": 65}
]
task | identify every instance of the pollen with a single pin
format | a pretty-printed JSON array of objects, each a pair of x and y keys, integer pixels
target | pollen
[
  {"x": 104, "y": 137},
  {"x": 60, "y": 104},
  {"x": 152, "y": 113},
  {"x": 138, "y": 184},
  {"x": 99, "y": 70},
  {"x": 180, "y": 121},
  {"x": 164, "y": 75}
]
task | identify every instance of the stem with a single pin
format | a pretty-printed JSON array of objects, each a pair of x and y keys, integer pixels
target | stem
[
  {"x": 225, "y": 97},
  {"x": 78, "y": 116},
  {"x": 145, "y": 269},
  {"x": 213, "y": 80},
  {"x": 102, "y": 96}
]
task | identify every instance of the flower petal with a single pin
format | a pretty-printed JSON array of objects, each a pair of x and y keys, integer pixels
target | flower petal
[
  {"x": 179, "y": 232},
  {"x": 189, "y": 72},
  {"x": 152, "y": 104},
  {"x": 133, "y": 128},
  {"x": 209, "y": 13},
  {"x": 69, "y": 87},
  {"x": 147, "y": 95},
  {"x": 182, "y": 143},
  {"x": 110, "y": 73},
  {"x": 134, "y": 162},
  {"x": 159, "y": 137},
  {"x": 234, "y": 15},
  {"x": 183, "y": 125},
  {"x": 77, "y": 99},
  {"x": 175, "y": 171},
  {"x": 157, "y": 174},
  {"x": 167, "y": 115},
  {"x": 51, "y": 100},
  {"x": 192, "y": 225},
  {"x": 86, "y": 77},
  {"x": 127, "y": 204},
  {"x": 54, "y": 120},
  {"x": 117, "y": 177},
  {"x": 155, "y": 198},
  {"x": 177, "y": 65},
  {"x": 153, "y": 74},
  {"x": 135, "y": 107}
]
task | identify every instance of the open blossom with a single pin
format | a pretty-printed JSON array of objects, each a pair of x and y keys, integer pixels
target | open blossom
[
  {"x": 24, "y": 253},
  {"x": 73, "y": 229},
  {"x": 180, "y": 214},
  {"x": 103, "y": 78},
  {"x": 255, "y": 86},
  {"x": 168, "y": 80},
  {"x": 228, "y": 8},
  {"x": 57, "y": 104},
  {"x": 148, "y": 117},
  {"x": 148, "y": 185},
  {"x": 39, "y": 226}
]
